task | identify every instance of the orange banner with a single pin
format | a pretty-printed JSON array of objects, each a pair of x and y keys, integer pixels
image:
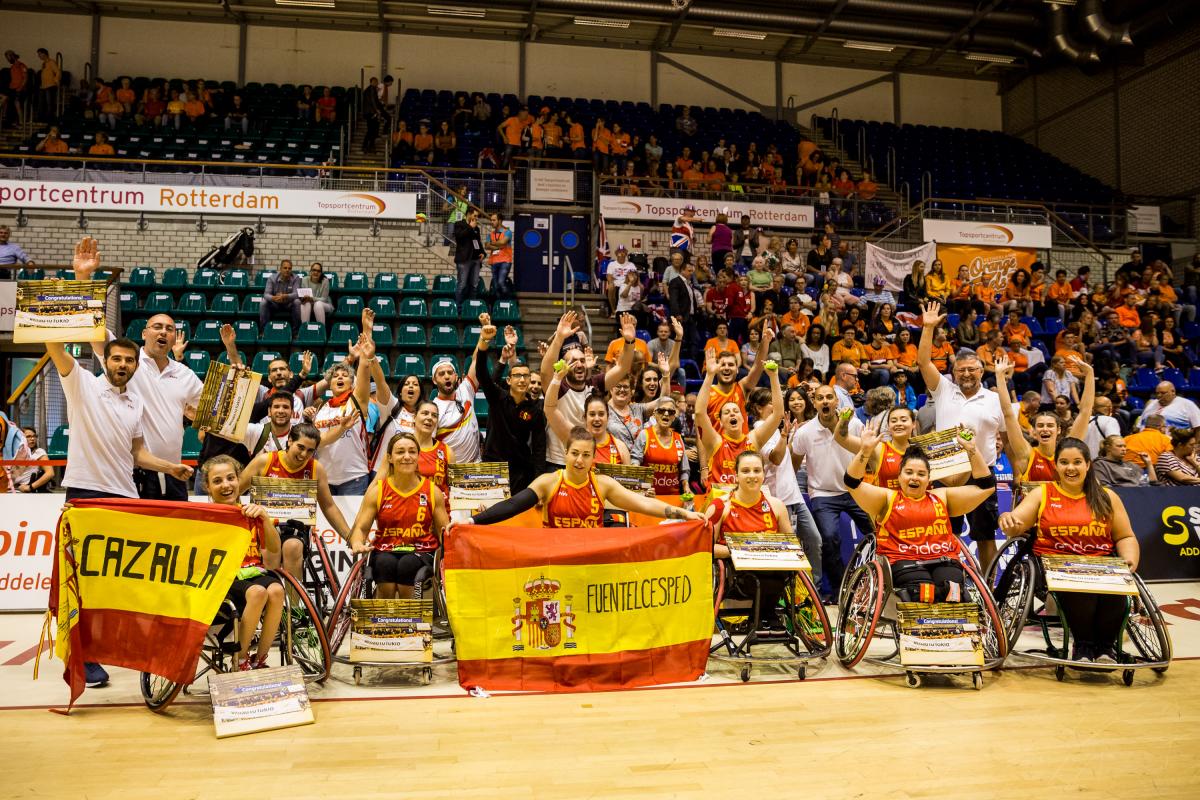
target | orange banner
[{"x": 991, "y": 265}]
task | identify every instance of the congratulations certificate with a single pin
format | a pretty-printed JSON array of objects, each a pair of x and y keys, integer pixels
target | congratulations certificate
[
  {"x": 945, "y": 452},
  {"x": 226, "y": 401},
  {"x": 478, "y": 485},
  {"x": 286, "y": 498},
  {"x": 59, "y": 311}
]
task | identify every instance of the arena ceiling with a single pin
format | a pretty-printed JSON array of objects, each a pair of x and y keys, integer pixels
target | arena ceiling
[{"x": 954, "y": 37}]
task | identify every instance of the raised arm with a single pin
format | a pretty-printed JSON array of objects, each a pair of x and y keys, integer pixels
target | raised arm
[
  {"x": 568, "y": 324},
  {"x": 762, "y": 434},
  {"x": 1087, "y": 402},
  {"x": 964, "y": 499},
  {"x": 870, "y": 498},
  {"x": 229, "y": 339},
  {"x": 554, "y": 417},
  {"x": 1018, "y": 446},
  {"x": 487, "y": 332},
  {"x": 930, "y": 319},
  {"x": 625, "y": 363},
  {"x": 676, "y": 346},
  {"x": 383, "y": 392},
  {"x": 709, "y": 437},
  {"x": 760, "y": 359},
  {"x": 64, "y": 362}
]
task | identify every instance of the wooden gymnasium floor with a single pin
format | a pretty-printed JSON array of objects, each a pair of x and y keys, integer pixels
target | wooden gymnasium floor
[{"x": 836, "y": 735}]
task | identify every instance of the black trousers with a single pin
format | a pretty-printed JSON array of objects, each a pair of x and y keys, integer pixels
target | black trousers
[
  {"x": 149, "y": 486},
  {"x": 1094, "y": 619}
]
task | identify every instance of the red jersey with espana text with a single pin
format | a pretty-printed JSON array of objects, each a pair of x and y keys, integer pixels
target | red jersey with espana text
[
  {"x": 434, "y": 464},
  {"x": 276, "y": 469},
  {"x": 664, "y": 459},
  {"x": 756, "y": 517},
  {"x": 574, "y": 506},
  {"x": 717, "y": 399},
  {"x": 888, "y": 474},
  {"x": 722, "y": 467},
  {"x": 405, "y": 519},
  {"x": 1066, "y": 526},
  {"x": 915, "y": 530}
]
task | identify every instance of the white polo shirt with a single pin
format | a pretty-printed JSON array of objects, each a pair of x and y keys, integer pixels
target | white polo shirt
[
  {"x": 165, "y": 394},
  {"x": 825, "y": 459},
  {"x": 102, "y": 422},
  {"x": 1099, "y": 428},
  {"x": 980, "y": 412},
  {"x": 458, "y": 426},
  {"x": 780, "y": 480}
]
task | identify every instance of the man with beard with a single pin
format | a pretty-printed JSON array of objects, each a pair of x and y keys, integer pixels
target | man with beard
[
  {"x": 964, "y": 402},
  {"x": 168, "y": 390},
  {"x": 516, "y": 423},
  {"x": 458, "y": 426},
  {"x": 828, "y": 497},
  {"x": 578, "y": 382}
]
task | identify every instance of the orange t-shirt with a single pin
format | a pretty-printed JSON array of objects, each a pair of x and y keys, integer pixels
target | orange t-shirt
[
  {"x": 907, "y": 356},
  {"x": 126, "y": 96},
  {"x": 601, "y": 140},
  {"x": 940, "y": 355},
  {"x": 801, "y": 323},
  {"x": 1060, "y": 292},
  {"x": 880, "y": 355},
  {"x": 101, "y": 150},
  {"x": 193, "y": 108},
  {"x": 1017, "y": 335},
  {"x": 576, "y": 136},
  {"x": 423, "y": 142},
  {"x": 692, "y": 178},
  {"x": 854, "y": 352},
  {"x": 1073, "y": 358},
  {"x": 714, "y": 181},
  {"x": 617, "y": 346},
  {"x": 619, "y": 143},
  {"x": 715, "y": 345},
  {"x": 512, "y": 128},
  {"x": 1128, "y": 316}
]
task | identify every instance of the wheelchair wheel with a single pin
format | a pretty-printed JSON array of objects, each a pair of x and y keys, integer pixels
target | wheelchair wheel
[
  {"x": 304, "y": 641},
  {"x": 158, "y": 692},
  {"x": 1146, "y": 628},
  {"x": 339, "y": 619},
  {"x": 858, "y": 614},
  {"x": 808, "y": 614},
  {"x": 994, "y": 631},
  {"x": 319, "y": 577},
  {"x": 1012, "y": 578},
  {"x": 864, "y": 551}
]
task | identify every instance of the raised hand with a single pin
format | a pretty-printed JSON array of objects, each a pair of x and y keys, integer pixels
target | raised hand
[
  {"x": 306, "y": 362},
  {"x": 368, "y": 320},
  {"x": 628, "y": 324},
  {"x": 179, "y": 348},
  {"x": 507, "y": 352},
  {"x": 870, "y": 439},
  {"x": 488, "y": 332},
  {"x": 366, "y": 347},
  {"x": 568, "y": 324},
  {"x": 589, "y": 358},
  {"x": 931, "y": 316},
  {"x": 1004, "y": 368},
  {"x": 542, "y": 347},
  {"x": 228, "y": 335},
  {"x": 768, "y": 335},
  {"x": 677, "y": 328},
  {"x": 664, "y": 366},
  {"x": 353, "y": 349},
  {"x": 510, "y": 337},
  {"x": 710, "y": 360},
  {"x": 86, "y": 260},
  {"x": 485, "y": 319}
]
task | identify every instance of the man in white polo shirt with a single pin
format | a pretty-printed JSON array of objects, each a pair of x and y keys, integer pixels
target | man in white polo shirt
[
  {"x": 458, "y": 425},
  {"x": 827, "y": 495},
  {"x": 965, "y": 402}
]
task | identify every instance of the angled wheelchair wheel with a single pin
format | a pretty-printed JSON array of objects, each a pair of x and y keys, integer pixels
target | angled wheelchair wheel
[
  {"x": 864, "y": 552},
  {"x": 1146, "y": 628},
  {"x": 808, "y": 614},
  {"x": 319, "y": 577},
  {"x": 338, "y": 624},
  {"x": 858, "y": 614},
  {"x": 994, "y": 631},
  {"x": 304, "y": 640},
  {"x": 1011, "y": 579},
  {"x": 158, "y": 692}
]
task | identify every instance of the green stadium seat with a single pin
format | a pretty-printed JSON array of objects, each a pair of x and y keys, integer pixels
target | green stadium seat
[
  {"x": 128, "y": 302},
  {"x": 443, "y": 309},
  {"x": 224, "y": 357},
  {"x": 134, "y": 331},
  {"x": 192, "y": 303},
  {"x": 57, "y": 449},
  {"x": 251, "y": 303},
  {"x": 341, "y": 333},
  {"x": 236, "y": 279},
  {"x": 296, "y": 361},
  {"x": 385, "y": 364},
  {"x": 262, "y": 360},
  {"x": 382, "y": 334},
  {"x": 197, "y": 361},
  {"x": 413, "y": 308},
  {"x": 386, "y": 283},
  {"x": 471, "y": 309},
  {"x": 481, "y": 405},
  {"x": 247, "y": 331},
  {"x": 174, "y": 278},
  {"x": 191, "y": 443},
  {"x": 349, "y": 307},
  {"x": 505, "y": 311},
  {"x": 471, "y": 335},
  {"x": 444, "y": 336},
  {"x": 260, "y": 279},
  {"x": 385, "y": 307},
  {"x": 27, "y": 274},
  {"x": 224, "y": 305},
  {"x": 208, "y": 332},
  {"x": 311, "y": 334},
  {"x": 332, "y": 278},
  {"x": 415, "y": 284},
  {"x": 183, "y": 328},
  {"x": 159, "y": 303},
  {"x": 277, "y": 332},
  {"x": 410, "y": 365},
  {"x": 141, "y": 277},
  {"x": 204, "y": 279},
  {"x": 331, "y": 359},
  {"x": 409, "y": 335},
  {"x": 356, "y": 282},
  {"x": 65, "y": 275},
  {"x": 443, "y": 285}
]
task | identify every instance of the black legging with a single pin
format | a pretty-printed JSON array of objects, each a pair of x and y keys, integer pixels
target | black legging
[
  {"x": 907, "y": 577},
  {"x": 1094, "y": 620},
  {"x": 771, "y": 588}
]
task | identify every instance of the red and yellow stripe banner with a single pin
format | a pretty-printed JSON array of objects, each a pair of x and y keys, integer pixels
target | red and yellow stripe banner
[
  {"x": 579, "y": 609},
  {"x": 137, "y": 583}
]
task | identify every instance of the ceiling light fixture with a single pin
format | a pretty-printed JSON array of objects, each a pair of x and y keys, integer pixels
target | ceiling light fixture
[
  {"x": 736, "y": 34},
  {"x": 602, "y": 22},
  {"x": 881, "y": 48},
  {"x": 989, "y": 57},
  {"x": 306, "y": 3},
  {"x": 456, "y": 11}
]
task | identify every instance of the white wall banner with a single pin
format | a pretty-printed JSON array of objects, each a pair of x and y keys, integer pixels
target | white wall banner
[
  {"x": 985, "y": 234},
  {"x": 666, "y": 209},
  {"x": 212, "y": 200},
  {"x": 8, "y": 304},
  {"x": 1144, "y": 219},
  {"x": 552, "y": 185},
  {"x": 895, "y": 266}
]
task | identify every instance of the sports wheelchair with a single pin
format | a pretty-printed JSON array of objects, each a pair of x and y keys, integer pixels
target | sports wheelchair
[
  {"x": 1018, "y": 582},
  {"x": 319, "y": 579},
  {"x": 867, "y": 599},
  {"x": 803, "y": 628},
  {"x": 301, "y": 640},
  {"x": 360, "y": 585}
]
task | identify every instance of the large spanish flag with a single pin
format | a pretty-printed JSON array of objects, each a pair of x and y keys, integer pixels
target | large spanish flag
[
  {"x": 137, "y": 583},
  {"x": 579, "y": 609}
]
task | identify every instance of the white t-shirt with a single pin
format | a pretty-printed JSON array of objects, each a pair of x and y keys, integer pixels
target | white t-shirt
[
  {"x": 1099, "y": 428},
  {"x": 825, "y": 459},
  {"x": 24, "y": 475},
  {"x": 165, "y": 394},
  {"x": 301, "y": 399},
  {"x": 271, "y": 444},
  {"x": 626, "y": 301},
  {"x": 1179, "y": 413},
  {"x": 570, "y": 405},
  {"x": 458, "y": 426},
  {"x": 617, "y": 271},
  {"x": 401, "y": 423},
  {"x": 346, "y": 458},
  {"x": 1062, "y": 384},
  {"x": 102, "y": 423},
  {"x": 980, "y": 412},
  {"x": 780, "y": 480}
]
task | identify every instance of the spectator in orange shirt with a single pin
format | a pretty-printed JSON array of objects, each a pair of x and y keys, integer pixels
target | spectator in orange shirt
[
  {"x": 906, "y": 359},
  {"x": 983, "y": 296},
  {"x": 18, "y": 83},
  {"x": 1060, "y": 293},
  {"x": 994, "y": 322},
  {"x": 988, "y": 352},
  {"x": 512, "y": 129},
  {"x": 684, "y": 162},
  {"x": 1072, "y": 352},
  {"x": 193, "y": 108},
  {"x": 942, "y": 352},
  {"x": 693, "y": 178},
  {"x": 714, "y": 179},
  {"x": 1145, "y": 446},
  {"x": 1127, "y": 314},
  {"x": 326, "y": 107},
  {"x": 848, "y": 349},
  {"x": 1016, "y": 333},
  {"x": 617, "y": 346},
  {"x": 721, "y": 343},
  {"x": 52, "y": 143},
  {"x": 881, "y": 361},
  {"x": 101, "y": 147},
  {"x": 867, "y": 187},
  {"x": 601, "y": 145},
  {"x": 423, "y": 144},
  {"x": 575, "y": 137},
  {"x": 126, "y": 96},
  {"x": 1017, "y": 294},
  {"x": 796, "y": 318}
]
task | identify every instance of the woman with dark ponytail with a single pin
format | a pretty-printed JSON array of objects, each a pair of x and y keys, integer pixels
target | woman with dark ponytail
[{"x": 1076, "y": 515}]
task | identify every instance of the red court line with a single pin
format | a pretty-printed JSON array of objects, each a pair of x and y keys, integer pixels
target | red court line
[{"x": 464, "y": 696}]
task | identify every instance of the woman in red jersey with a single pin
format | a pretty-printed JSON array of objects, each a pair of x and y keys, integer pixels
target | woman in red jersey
[
  {"x": 1075, "y": 515},
  {"x": 912, "y": 523},
  {"x": 1036, "y": 464},
  {"x": 256, "y": 591},
  {"x": 574, "y": 496},
  {"x": 436, "y": 456},
  {"x": 409, "y": 514},
  {"x": 663, "y": 450},
  {"x": 884, "y": 468},
  {"x": 595, "y": 420},
  {"x": 725, "y": 445},
  {"x": 297, "y": 462}
]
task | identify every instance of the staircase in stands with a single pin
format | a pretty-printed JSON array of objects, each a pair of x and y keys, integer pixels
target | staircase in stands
[{"x": 540, "y": 314}]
